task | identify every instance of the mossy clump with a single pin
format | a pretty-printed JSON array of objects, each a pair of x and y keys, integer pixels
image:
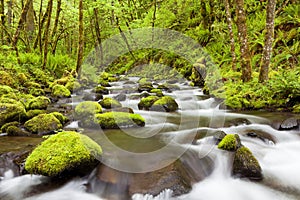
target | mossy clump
[
  {"x": 38, "y": 103},
  {"x": 100, "y": 90},
  {"x": 36, "y": 91},
  {"x": 4, "y": 89},
  {"x": 296, "y": 108},
  {"x": 115, "y": 120},
  {"x": 87, "y": 108},
  {"x": 43, "y": 123},
  {"x": 11, "y": 112},
  {"x": 245, "y": 165},
  {"x": 63, "y": 152},
  {"x": 73, "y": 85},
  {"x": 32, "y": 113},
  {"x": 63, "y": 119},
  {"x": 60, "y": 91},
  {"x": 147, "y": 102},
  {"x": 6, "y": 79},
  {"x": 145, "y": 86},
  {"x": 5, "y": 126},
  {"x": 165, "y": 103},
  {"x": 16, "y": 131},
  {"x": 158, "y": 92},
  {"x": 231, "y": 142},
  {"x": 108, "y": 103}
]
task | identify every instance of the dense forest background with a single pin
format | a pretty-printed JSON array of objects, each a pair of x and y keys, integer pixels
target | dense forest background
[{"x": 255, "y": 44}]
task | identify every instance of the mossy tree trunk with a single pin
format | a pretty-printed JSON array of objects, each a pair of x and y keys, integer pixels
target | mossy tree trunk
[
  {"x": 269, "y": 38},
  {"x": 243, "y": 38},
  {"x": 2, "y": 18},
  {"x": 231, "y": 35},
  {"x": 80, "y": 37},
  {"x": 30, "y": 25},
  {"x": 98, "y": 34},
  {"x": 46, "y": 33}
]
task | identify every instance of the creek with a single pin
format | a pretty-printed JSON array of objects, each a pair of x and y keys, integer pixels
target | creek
[{"x": 186, "y": 135}]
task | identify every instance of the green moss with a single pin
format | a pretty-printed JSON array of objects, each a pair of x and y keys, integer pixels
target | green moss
[
  {"x": 16, "y": 131},
  {"x": 87, "y": 108},
  {"x": 62, "y": 152},
  {"x": 100, "y": 90},
  {"x": 165, "y": 103},
  {"x": 114, "y": 120},
  {"x": 4, "y": 89},
  {"x": 5, "y": 126},
  {"x": 6, "y": 79},
  {"x": 230, "y": 142},
  {"x": 11, "y": 112},
  {"x": 22, "y": 78},
  {"x": 32, "y": 113},
  {"x": 60, "y": 91},
  {"x": 36, "y": 91},
  {"x": 296, "y": 108},
  {"x": 38, "y": 103},
  {"x": 60, "y": 117},
  {"x": 147, "y": 102},
  {"x": 43, "y": 123},
  {"x": 73, "y": 85},
  {"x": 158, "y": 92},
  {"x": 108, "y": 102}
]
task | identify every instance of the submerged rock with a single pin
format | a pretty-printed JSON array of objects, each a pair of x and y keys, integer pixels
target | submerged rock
[
  {"x": 245, "y": 165},
  {"x": 115, "y": 120},
  {"x": 166, "y": 103},
  {"x": 147, "y": 102},
  {"x": 43, "y": 123},
  {"x": 65, "y": 153},
  {"x": 289, "y": 124}
]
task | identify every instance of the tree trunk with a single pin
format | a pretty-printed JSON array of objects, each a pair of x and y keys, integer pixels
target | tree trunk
[
  {"x": 98, "y": 35},
  {"x": 2, "y": 18},
  {"x": 58, "y": 10},
  {"x": 9, "y": 13},
  {"x": 30, "y": 27},
  {"x": 46, "y": 33},
  {"x": 80, "y": 37},
  {"x": 22, "y": 20},
  {"x": 269, "y": 38},
  {"x": 242, "y": 33},
  {"x": 231, "y": 35}
]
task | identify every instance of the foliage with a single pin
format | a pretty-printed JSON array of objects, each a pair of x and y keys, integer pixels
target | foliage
[{"x": 55, "y": 155}]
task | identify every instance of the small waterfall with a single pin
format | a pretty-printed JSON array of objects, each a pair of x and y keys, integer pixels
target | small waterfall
[{"x": 164, "y": 195}]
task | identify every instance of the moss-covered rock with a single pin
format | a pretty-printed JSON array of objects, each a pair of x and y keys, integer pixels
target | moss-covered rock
[
  {"x": 22, "y": 78},
  {"x": 147, "y": 102},
  {"x": 157, "y": 91},
  {"x": 60, "y": 91},
  {"x": 108, "y": 103},
  {"x": 32, "y": 113},
  {"x": 85, "y": 112},
  {"x": 231, "y": 142},
  {"x": 5, "y": 126},
  {"x": 245, "y": 165},
  {"x": 166, "y": 103},
  {"x": 6, "y": 79},
  {"x": 4, "y": 89},
  {"x": 16, "y": 131},
  {"x": 73, "y": 85},
  {"x": 296, "y": 108},
  {"x": 36, "y": 91},
  {"x": 11, "y": 112},
  {"x": 38, "y": 103},
  {"x": 63, "y": 119},
  {"x": 43, "y": 123},
  {"x": 100, "y": 90},
  {"x": 145, "y": 86},
  {"x": 63, "y": 153},
  {"x": 114, "y": 120}
]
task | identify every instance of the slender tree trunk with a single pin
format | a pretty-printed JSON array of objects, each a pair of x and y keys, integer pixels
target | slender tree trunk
[
  {"x": 22, "y": 20},
  {"x": 98, "y": 35},
  {"x": 80, "y": 37},
  {"x": 30, "y": 27},
  {"x": 9, "y": 13},
  {"x": 269, "y": 38},
  {"x": 242, "y": 33},
  {"x": 231, "y": 35},
  {"x": 53, "y": 33},
  {"x": 2, "y": 18},
  {"x": 46, "y": 33}
]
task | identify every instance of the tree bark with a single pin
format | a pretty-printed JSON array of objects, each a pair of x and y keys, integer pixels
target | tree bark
[
  {"x": 242, "y": 33},
  {"x": 80, "y": 37},
  {"x": 2, "y": 18},
  {"x": 269, "y": 38},
  {"x": 53, "y": 33},
  {"x": 231, "y": 35},
  {"x": 46, "y": 33},
  {"x": 30, "y": 27},
  {"x": 98, "y": 35}
]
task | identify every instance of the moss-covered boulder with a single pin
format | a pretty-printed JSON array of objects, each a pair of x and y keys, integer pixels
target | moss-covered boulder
[
  {"x": 63, "y": 154},
  {"x": 85, "y": 112},
  {"x": 60, "y": 91},
  {"x": 11, "y": 112},
  {"x": 43, "y": 124},
  {"x": 245, "y": 165},
  {"x": 157, "y": 92},
  {"x": 6, "y": 79},
  {"x": 115, "y": 120},
  {"x": 4, "y": 89},
  {"x": 100, "y": 90},
  {"x": 32, "y": 113},
  {"x": 145, "y": 86},
  {"x": 73, "y": 85},
  {"x": 5, "y": 126},
  {"x": 16, "y": 131},
  {"x": 108, "y": 103},
  {"x": 166, "y": 103},
  {"x": 147, "y": 102},
  {"x": 296, "y": 108},
  {"x": 63, "y": 119},
  {"x": 230, "y": 142},
  {"x": 38, "y": 103}
]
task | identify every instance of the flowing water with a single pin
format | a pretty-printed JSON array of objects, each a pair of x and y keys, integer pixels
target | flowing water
[{"x": 190, "y": 129}]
